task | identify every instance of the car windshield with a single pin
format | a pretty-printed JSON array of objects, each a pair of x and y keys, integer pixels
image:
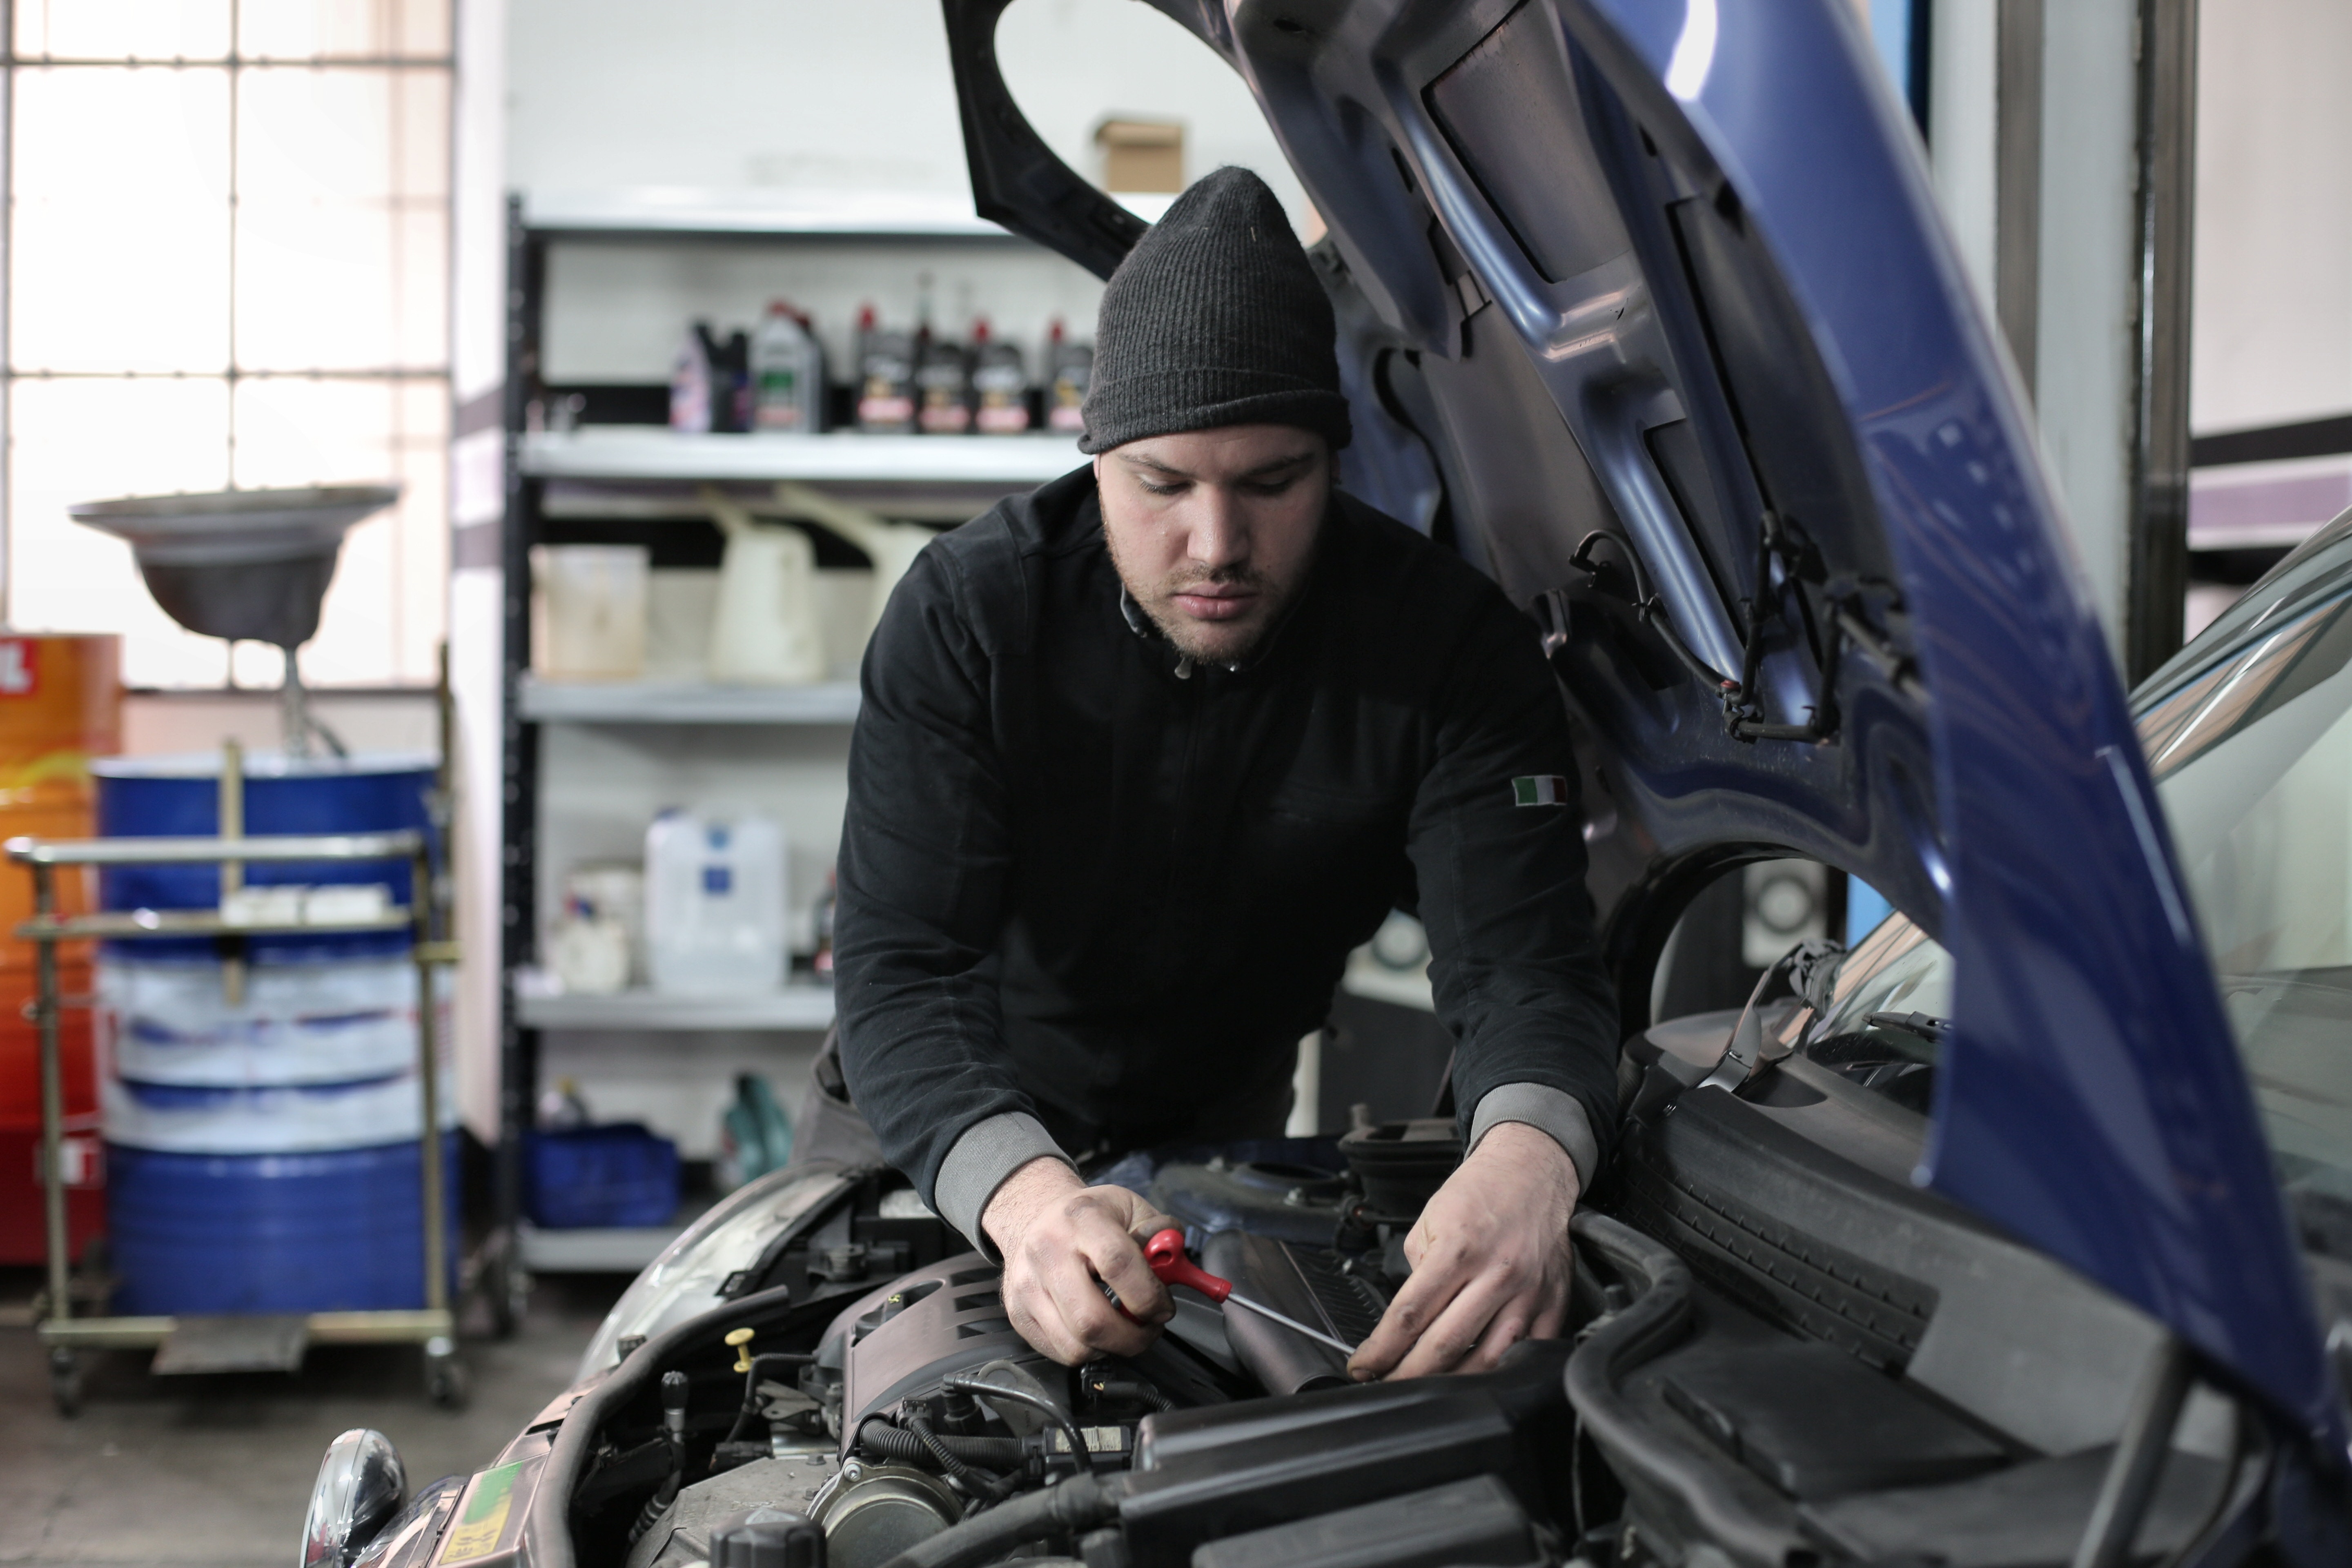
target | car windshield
[{"x": 2252, "y": 759}]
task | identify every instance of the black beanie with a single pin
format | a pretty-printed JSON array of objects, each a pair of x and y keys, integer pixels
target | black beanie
[{"x": 1215, "y": 318}]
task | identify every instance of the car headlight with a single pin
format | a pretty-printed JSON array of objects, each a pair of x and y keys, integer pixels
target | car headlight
[
  {"x": 360, "y": 1486},
  {"x": 692, "y": 1271}
]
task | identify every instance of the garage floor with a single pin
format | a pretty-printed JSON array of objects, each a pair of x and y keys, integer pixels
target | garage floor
[{"x": 217, "y": 1470}]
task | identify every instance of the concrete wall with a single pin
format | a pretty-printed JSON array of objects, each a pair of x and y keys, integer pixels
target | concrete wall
[
  {"x": 744, "y": 95},
  {"x": 2273, "y": 338}
]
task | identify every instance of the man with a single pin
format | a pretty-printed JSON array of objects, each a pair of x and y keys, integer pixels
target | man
[{"x": 1143, "y": 757}]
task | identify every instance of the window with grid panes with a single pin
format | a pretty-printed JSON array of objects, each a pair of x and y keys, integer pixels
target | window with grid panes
[{"x": 228, "y": 267}]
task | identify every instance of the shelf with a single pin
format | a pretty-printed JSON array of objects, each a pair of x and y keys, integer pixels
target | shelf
[
  {"x": 652, "y": 452},
  {"x": 806, "y": 1007},
  {"x": 680, "y": 211},
  {"x": 685, "y": 703}
]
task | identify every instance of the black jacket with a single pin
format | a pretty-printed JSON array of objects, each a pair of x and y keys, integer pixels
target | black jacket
[{"x": 1074, "y": 884}]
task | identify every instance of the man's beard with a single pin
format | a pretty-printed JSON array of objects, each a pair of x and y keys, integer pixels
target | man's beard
[
  {"x": 1206, "y": 642},
  {"x": 1217, "y": 642}
]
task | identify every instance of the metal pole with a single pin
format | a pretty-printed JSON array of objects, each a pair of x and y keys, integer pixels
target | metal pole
[
  {"x": 428, "y": 1073},
  {"x": 519, "y": 763},
  {"x": 2155, "y": 584},
  {"x": 53, "y": 1099}
]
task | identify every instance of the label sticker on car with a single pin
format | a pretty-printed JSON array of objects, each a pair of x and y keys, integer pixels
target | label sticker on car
[
  {"x": 482, "y": 1518},
  {"x": 1539, "y": 789}
]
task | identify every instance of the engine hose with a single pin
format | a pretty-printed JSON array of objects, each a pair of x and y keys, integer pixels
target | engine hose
[
  {"x": 968, "y": 1382},
  {"x": 1106, "y": 1387},
  {"x": 894, "y": 1443},
  {"x": 1644, "y": 1328},
  {"x": 1079, "y": 1504},
  {"x": 986, "y": 1485},
  {"x": 656, "y": 1506}
]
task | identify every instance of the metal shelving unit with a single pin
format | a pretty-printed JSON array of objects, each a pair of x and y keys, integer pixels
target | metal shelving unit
[
  {"x": 648, "y": 452},
  {"x": 684, "y": 702},
  {"x": 793, "y": 1007},
  {"x": 635, "y": 481}
]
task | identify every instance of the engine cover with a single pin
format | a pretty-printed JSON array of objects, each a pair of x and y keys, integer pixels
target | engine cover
[{"x": 900, "y": 1340}]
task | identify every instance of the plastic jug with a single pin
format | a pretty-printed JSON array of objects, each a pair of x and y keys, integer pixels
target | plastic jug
[
  {"x": 999, "y": 384},
  {"x": 765, "y": 631},
  {"x": 714, "y": 904},
  {"x": 592, "y": 602},
  {"x": 891, "y": 546},
  {"x": 1069, "y": 372},
  {"x": 787, "y": 376}
]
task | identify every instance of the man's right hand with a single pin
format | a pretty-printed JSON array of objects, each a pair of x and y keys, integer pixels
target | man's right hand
[{"x": 1063, "y": 1241}]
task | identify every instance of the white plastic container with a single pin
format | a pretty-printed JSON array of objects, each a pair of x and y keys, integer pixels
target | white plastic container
[
  {"x": 592, "y": 610},
  {"x": 715, "y": 904},
  {"x": 594, "y": 946},
  {"x": 766, "y": 631}
]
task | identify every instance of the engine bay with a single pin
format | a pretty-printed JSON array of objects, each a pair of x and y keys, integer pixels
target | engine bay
[
  {"x": 918, "y": 1405},
  {"x": 1753, "y": 1390}
]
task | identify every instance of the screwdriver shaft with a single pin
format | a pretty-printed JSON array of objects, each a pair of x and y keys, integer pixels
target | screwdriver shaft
[{"x": 1292, "y": 1324}]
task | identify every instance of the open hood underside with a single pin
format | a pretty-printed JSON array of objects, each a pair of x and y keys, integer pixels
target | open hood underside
[{"x": 1653, "y": 296}]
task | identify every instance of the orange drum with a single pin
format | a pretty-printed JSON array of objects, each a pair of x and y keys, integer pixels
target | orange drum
[
  {"x": 23, "y": 1233},
  {"x": 60, "y": 705},
  {"x": 20, "y": 1048}
]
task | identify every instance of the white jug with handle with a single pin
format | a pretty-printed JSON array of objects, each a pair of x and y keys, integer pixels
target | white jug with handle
[
  {"x": 892, "y": 546},
  {"x": 764, "y": 631}
]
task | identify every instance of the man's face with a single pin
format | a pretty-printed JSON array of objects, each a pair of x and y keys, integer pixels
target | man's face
[{"x": 1212, "y": 531}]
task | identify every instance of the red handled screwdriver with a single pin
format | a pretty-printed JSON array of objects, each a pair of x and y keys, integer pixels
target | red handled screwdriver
[{"x": 1165, "y": 1252}]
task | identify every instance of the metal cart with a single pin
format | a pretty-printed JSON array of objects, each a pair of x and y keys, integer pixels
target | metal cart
[{"x": 223, "y": 1343}]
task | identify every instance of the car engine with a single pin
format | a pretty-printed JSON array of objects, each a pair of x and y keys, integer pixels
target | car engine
[
  {"x": 915, "y": 1406},
  {"x": 826, "y": 1374}
]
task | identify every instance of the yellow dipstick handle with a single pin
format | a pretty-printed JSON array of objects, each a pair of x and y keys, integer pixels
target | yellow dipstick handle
[{"x": 741, "y": 1339}]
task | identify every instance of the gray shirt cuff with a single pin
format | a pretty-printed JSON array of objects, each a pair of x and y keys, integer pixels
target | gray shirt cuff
[
  {"x": 989, "y": 1151},
  {"x": 1554, "y": 1113}
]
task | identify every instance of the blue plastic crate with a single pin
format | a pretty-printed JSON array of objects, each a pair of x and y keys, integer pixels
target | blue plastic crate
[{"x": 618, "y": 1174}]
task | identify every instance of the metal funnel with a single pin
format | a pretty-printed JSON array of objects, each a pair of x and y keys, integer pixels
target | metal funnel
[{"x": 248, "y": 565}]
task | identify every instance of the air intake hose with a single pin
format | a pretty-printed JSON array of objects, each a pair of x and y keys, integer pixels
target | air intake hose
[{"x": 1077, "y": 1505}]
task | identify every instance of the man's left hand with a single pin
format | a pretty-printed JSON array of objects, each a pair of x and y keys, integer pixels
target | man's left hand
[{"x": 1490, "y": 1259}]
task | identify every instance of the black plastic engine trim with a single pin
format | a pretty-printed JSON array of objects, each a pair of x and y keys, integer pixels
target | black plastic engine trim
[
  {"x": 1820, "y": 1291},
  {"x": 1682, "y": 1181},
  {"x": 1699, "y": 1491}
]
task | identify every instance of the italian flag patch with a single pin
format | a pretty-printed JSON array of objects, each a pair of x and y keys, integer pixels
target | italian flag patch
[{"x": 1539, "y": 789}]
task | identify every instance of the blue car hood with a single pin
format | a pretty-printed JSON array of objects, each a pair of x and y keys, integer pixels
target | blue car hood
[{"x": 1719, "y": 405}]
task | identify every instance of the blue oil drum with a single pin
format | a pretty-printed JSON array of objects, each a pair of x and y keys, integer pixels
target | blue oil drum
[
  {"x": 326, "y": 1231},
  {"x": 261, "y": 1153},
  {"x": 180, "y": 797}
]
